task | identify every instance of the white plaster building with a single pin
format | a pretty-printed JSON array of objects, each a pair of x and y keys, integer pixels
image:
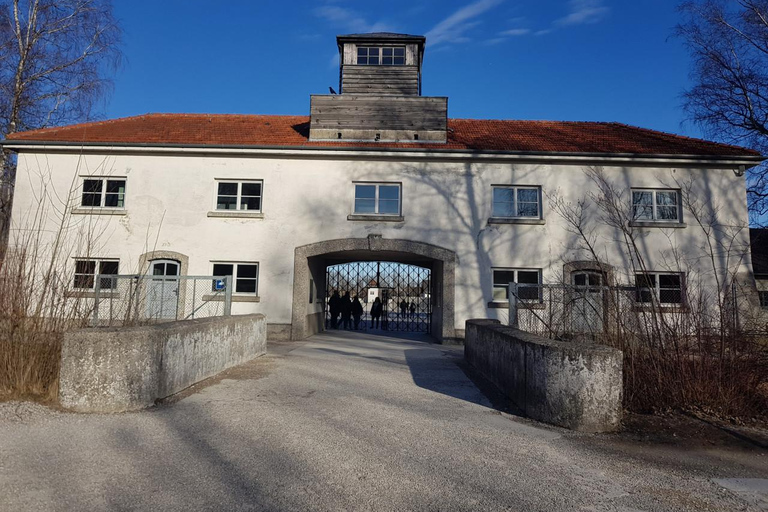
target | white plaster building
[{"x": 377, "y": 173}]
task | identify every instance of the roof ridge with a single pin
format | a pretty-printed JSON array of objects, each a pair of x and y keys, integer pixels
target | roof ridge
[{"x": 677, "y": 135}]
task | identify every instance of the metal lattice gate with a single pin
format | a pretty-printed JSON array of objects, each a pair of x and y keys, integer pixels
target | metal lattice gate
[{"x": 405, "y": 292}]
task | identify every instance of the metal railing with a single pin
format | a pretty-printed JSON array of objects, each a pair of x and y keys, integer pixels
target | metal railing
[{"x": 121, "y": 300}]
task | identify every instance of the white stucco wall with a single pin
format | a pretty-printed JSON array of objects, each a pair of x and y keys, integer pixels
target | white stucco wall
[{"x": 307, "y": 200}]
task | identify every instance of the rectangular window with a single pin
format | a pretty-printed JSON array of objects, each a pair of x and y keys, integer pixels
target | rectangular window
[
  {"x": 763, "y": 299},
  {"x": 512, "y": 202},
  {"x": 381, "y": 56},
  {"x": 103, "y": 193},
  {"x": 377, "y": 199},
  {"x": 239, "y": 195},
  {"x": 656, "y": 205},
  {"x": 245, "y": 275},
  {"x": 666, "y": 287},
  {"x": 503, "y": 276},
  {"x": 86, "y": 270}
]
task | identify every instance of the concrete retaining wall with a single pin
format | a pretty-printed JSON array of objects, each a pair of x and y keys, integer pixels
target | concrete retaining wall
[
  {"x": 124, "y": 369},
  {"x": 572, "y": 385}
]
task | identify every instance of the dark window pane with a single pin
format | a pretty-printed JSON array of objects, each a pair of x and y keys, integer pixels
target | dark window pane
[
  {"x": 373, "y": 61},
  {"x": 666, "y": 198},
  {"x": 222, "y": 269},
  {"x": 528, "y": 277},
  {"x": 108, "y": 267},
  {"x": 645, "y": 280},
  {"x": 528, "y": 210},
  {"x": 246, "y": 271},
  {"x": 226, "y": 203},
  {"x": 389, "y": 207},
  {"x": 387, "y": 61},
  {"x": 365, "y": 206},
  {"x": 503, "y": 277},
  {"x": 115, "y": 193},
  {"x": 669, "y": 281},
  {"x": 158, "y": 269},
  {"x": 399, "y": 52},
  {"x": 670, "y": 297},
  {"x": 365, "y": 191},
  {"x": 171, "y": 269},
  {"x": 389, "y": 192},
  {"x": 373, "y": 52},
  {"x": 528, "y": 292},
  {"x": 362, "y": 61},
  {"x": 83, "y": 281},
  {"x": 527, "y": 195},
  {"x": 580, "y": 279},
  {"x": 251, "y": 189},
  {"x": 386, "y": 52},
  {"x": 246, "y": 286},
  {"x": 85, "y": 267},
  {"x": 399, "y": 61},
  {"x": 362, "y": 52},
  {"x": 227, "y": 189},
  {"x": 250, "y": 203},
  {"x": 92, "y": 186},
  {"x": 763, "y": 299},
  {"x": 667, "y": 212}
]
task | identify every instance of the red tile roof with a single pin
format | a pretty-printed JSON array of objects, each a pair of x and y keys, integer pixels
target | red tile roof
[{"x": 464, "y": 134}]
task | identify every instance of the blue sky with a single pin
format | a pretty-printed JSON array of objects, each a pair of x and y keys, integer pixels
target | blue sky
[{"x": 595, "y": 60}]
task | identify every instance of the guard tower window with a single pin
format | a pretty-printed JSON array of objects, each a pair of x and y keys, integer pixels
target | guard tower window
[{"x": 381, "y": 56}]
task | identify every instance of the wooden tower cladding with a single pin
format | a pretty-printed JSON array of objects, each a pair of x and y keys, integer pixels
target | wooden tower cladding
[{"x": 380, "y": 94}]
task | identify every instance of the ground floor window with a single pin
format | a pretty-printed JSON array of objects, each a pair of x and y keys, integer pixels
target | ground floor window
[
  {"x": 87, "y": 268},
  {"x": 763, "y": 299},
  {"x": 503, "y": 276},
  {"x": 667, "y": 287},
  {"x": 245, "y": 275}
]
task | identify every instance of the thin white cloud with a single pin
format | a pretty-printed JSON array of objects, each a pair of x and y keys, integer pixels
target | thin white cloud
[
  {"x": 453, "y": 28},
  {"x": 350, "y": 20},
  {"x": 583, "y": 12},
  {"x": 516, "y": 32}
]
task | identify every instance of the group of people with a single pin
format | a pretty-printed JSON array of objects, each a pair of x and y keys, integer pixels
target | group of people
[{"x": 346, "y": 311}]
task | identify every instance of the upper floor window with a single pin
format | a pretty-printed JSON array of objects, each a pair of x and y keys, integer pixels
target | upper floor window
[
  {"x": 381, "y": 56},
  {"x": 377, "y": 198},
  {"x": 503, "y": 276},
  {"x": 667, "y": 287},
  {"x": 512, "y": 202},
  {"x": 239, "y": 195},
  {"x": 656, "y": 205},
  {"x": 86, "y": 270},
  {"x": 103, "y": 192},
  {"x": 245, "y": 275}
]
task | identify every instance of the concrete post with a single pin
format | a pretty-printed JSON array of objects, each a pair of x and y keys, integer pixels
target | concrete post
[
  {"x": 228, "y": 284},
  {"x": 512, "y": 305}
]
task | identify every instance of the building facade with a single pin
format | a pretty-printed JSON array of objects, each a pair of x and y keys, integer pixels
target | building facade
[{"x": 379, "y": 173}]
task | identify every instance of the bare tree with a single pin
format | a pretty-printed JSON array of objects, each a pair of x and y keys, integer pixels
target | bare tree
[
  {"x": 55, "y": 56},
  {"x": 728, "y": 41}
]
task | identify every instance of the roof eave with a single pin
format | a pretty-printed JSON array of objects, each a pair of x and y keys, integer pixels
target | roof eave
[{"x": 745, "y": 161}]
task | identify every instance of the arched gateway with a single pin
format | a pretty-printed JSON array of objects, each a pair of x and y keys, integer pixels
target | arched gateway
[{"x": 309, "y": 273}]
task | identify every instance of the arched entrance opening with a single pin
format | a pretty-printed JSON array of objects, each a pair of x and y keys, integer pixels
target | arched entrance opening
[
  {"x": 310, "y": 284},
  {"x": 392, "y": 296}
]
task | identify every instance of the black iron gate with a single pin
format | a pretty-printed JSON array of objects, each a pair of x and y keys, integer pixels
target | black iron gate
[{"x": 405, "y": 292}]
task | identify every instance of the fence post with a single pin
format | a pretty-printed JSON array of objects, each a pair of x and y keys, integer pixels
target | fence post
[
  {"x": 513, "y": 305},
  {"x": 96, "y": 292},
  {"x": 228, "y": 282}
]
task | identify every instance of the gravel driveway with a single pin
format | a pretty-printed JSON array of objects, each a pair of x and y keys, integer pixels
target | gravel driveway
[{"x": 349, "y": 422}]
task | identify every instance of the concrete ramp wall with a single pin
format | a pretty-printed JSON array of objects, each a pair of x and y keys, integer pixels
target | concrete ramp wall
[
  {"x": 125, "y": 369},
  {"x": 572, "y": 385}
]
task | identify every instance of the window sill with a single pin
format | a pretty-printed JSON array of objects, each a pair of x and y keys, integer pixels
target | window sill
[
  {"x": 235, "y": 298},
  {"x": 504, "y": 220},
  {"x": 656, "y": 224},
  {"x": 99, "y": 211},
  {"x": 236, "y": 214},
  {"x": 90, "y": 294},
  {"x": 520, "y": 305},
  {"x": 677, "y": 308},
  {"x": 376, "y": 218}
]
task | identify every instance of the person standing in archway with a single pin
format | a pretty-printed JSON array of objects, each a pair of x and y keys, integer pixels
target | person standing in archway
[
  {"x": 403, "y": 308},
  {"x": 357, "y": 312},
  {"x": 346, "y": 311},
  {"x": 376, "y": 312},
  {"x": 334, "y": 306}
]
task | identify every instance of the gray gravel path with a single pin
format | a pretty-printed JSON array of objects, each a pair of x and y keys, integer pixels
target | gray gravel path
[{"x": 345, "y": 422}]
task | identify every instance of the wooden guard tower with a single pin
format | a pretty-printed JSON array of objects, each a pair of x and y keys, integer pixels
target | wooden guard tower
[{"x": 380, "y": 94}]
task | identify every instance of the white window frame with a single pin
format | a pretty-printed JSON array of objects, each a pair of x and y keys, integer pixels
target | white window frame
[
  {"x": 376, "y": 204},
  {"x": 235, "y": 265},
  {"x": 515, "y": 188},
  {"x": 657, "y": 289},
  {"x": 103, "y": 191},
  {"x": 98, "y": 262},
  {"x": 656, "y": 205},
  {"x": 506, "y": 285},
  {"x": 381, "y": 55},
  {"x": 239, "y": 196}
]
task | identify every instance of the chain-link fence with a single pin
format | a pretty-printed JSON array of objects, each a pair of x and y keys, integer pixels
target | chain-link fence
[
  {"x": 121, "y": 300},
  {"x": 596, "y": 313}
]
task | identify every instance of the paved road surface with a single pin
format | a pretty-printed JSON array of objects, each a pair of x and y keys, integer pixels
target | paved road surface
[{"x": 347, "y": 422}]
